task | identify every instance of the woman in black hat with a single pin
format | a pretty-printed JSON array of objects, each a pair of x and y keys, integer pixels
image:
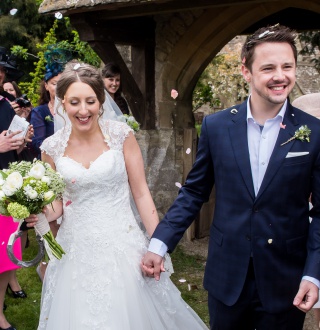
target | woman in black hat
[{"x": 42, "y": 115}]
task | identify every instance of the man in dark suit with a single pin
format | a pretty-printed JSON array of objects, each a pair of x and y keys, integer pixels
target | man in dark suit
[{"x": 263, "y": 156}]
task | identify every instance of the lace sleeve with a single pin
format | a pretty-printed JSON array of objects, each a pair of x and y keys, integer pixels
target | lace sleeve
[
  {"x": 115, "y": 133},
  {"x": 55, "y": 145}
]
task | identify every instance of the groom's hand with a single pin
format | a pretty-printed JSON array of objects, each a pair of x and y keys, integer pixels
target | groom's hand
[
  {"x": 152, "y": 265},
  {"x": 307, "y": 296}
]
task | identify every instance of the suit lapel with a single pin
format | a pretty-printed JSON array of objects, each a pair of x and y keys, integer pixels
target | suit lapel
[
  {"x": 279, "y": 152},
  {"x": 239, "y": 140}
]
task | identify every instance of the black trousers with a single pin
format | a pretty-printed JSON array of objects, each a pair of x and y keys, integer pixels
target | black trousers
[{"x": 248, "y": 313}]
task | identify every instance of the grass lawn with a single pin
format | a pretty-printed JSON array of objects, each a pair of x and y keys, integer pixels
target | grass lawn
[{"x": 24, "y": 313}]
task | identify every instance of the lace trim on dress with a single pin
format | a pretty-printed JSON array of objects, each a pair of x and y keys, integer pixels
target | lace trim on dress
[{"x": 114, "y": 133}]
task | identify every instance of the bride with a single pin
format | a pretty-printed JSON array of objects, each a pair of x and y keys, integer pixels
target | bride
[{"x": 98, "y": 283}]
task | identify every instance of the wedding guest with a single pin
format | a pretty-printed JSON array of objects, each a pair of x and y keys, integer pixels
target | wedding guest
[
  {"x": 310, "y": 103},
  {"x": 42, "y": 115},
  {"x": 10, "y": 147},
  {"x": 112, "y": 79},
  {"x": 263, "y": 157},
  {"x": 12, "y": 88},
  {"x": 101, "y": 162}
]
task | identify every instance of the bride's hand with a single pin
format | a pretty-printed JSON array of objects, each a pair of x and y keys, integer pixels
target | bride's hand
[{"x": 31, "y": 220}]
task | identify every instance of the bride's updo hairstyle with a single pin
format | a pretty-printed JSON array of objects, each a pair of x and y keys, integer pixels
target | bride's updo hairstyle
[{"x": 74, "y": 72}]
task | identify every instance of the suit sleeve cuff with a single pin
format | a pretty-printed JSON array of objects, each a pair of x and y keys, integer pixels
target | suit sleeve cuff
[
  {"x": 158, "y": 247},
  {"x": 312, "y": 280}
]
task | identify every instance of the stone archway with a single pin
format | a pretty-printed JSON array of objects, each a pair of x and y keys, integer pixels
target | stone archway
[
  {"x": 210, "y": 31},
  {"x": 172, "y": 41}
]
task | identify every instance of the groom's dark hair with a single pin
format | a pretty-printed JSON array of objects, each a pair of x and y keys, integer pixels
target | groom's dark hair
[{"x": 274, "y": 33}]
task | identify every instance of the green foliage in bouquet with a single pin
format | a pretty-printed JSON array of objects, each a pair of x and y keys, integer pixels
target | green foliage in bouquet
[
  {"x": 131, "y": 121},
  {"x": 26, "y": 187}
]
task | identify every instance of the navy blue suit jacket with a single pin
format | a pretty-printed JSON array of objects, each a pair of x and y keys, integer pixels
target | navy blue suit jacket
[{"x": 273, "y": 227}]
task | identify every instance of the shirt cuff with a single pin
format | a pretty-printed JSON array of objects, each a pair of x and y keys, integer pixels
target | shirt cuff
[
  {"x": 158, "y": 247},
  {"x": 312, "y": 280}
]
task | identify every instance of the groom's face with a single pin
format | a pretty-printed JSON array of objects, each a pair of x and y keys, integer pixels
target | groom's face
[{"x": 272, "y": 75}]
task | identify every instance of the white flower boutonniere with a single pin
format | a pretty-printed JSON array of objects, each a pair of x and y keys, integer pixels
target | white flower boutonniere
[{"x": 302, "y": 134}]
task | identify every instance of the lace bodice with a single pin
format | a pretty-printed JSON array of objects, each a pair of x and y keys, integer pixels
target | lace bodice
[{"x": 114, "y": 132}]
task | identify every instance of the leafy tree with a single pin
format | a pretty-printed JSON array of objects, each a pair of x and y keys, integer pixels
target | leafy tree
[
  {"x": 310, "y": 41},
  {"x": 26, "y": 27},
  {"x": 221, "y": 82},
  {"x": 80, "y": 50}
]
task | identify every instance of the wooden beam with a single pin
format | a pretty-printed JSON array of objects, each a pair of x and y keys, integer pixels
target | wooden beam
[
  {"x": 118, "y": 9},
  {"x": 108, "y": 52},
  {"x": 143, "y": 71}
]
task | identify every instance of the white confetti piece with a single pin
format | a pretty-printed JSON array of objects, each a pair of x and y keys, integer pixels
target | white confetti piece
[
  {"x": 58, "y": 15},
  {"x": 13, "y": 11},
  {"x": 188, "y": 151},
  {"x": 178, "y": 184},
  {"x": 182, "y": 280}
]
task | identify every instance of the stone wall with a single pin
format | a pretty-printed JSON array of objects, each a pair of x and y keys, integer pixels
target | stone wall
[{"x": 162, "y": 155}]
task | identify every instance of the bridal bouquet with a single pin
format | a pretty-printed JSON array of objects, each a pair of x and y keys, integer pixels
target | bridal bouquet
[
  {"x": 131, "y": 121},
  {"x": 25, "y": 188}
]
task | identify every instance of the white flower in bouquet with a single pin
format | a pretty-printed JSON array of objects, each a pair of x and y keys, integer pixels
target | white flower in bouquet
[
  {"x": 46, "y": 179},
  {"x": 8, "y": 190},
  {"x": 14, "y": 180},
  {"x": 1, "y": 180},
  {"x": 27, "y": 188},
  {"x": 37, "y": 171},
  {"x": 2, "y": 195},
  {"x": 32, "y": 194},
  {"x": 48, "y": 195}
]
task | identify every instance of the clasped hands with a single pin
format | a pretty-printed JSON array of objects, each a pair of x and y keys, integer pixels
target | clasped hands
[{"x": 152, "y": 265}]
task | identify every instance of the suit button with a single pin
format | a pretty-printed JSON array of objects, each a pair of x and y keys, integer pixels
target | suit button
[
  {"x": 248, "y": 238},
  {"x": 255, "y": 210}
]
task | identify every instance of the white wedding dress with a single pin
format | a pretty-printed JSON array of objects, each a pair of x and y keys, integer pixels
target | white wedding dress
[{"x": 98, "y": 285}]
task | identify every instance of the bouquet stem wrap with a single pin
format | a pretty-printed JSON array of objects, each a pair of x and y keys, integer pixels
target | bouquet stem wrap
[{"x": 53, "y": 248}]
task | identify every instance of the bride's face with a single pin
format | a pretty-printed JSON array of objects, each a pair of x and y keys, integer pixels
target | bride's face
[{"x": 81, "y": 105}]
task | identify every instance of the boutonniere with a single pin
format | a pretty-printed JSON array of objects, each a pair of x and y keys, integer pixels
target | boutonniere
[
  {"x": 302, "y": 134},
  {"x": 48, "y": 118}
]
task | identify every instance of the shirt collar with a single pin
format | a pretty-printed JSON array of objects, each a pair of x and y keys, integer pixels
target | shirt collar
[{"x": 280, "y": 113}]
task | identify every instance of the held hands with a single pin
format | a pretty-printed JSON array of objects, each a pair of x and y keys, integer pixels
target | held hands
[
  {"x": 152, "y": 265},
  {"x": 307, "y": 296},
  {"x": 10, "y": 142}
]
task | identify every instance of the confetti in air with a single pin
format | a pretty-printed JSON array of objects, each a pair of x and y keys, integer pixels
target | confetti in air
[
  {"x": 58, "y": 15},
  {"x": 68, "y": 203},
  {"x": 188, "y": 151},
  {"x": 282, "y": 126},
  {"x": 178, "y": 184},
  {"x": 73, "y": 180},
  {"x": 13, "y": 11},
  {"x": 174, "y": 94}
]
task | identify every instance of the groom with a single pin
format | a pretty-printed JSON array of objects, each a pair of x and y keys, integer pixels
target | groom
[{"x": 263, "y": 266}]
